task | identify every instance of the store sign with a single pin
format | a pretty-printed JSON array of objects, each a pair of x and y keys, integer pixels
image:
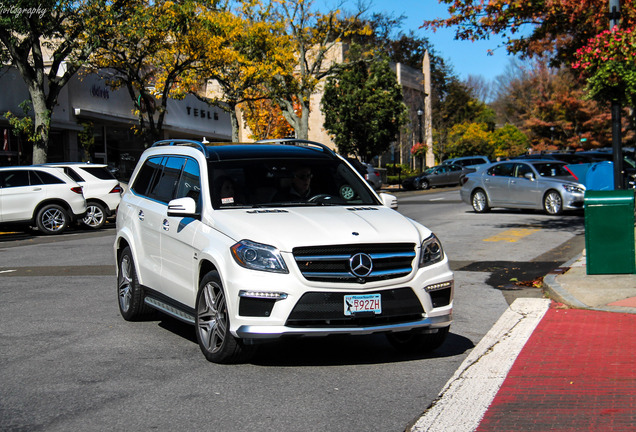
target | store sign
[
  {"x": 201, "y": 113},
  {"x": 100, "y": 92}
]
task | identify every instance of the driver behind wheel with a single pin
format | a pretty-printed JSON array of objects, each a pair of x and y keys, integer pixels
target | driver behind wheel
[{"x": 300, "y": 188}]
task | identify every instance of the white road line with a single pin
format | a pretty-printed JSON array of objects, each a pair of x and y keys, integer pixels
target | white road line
[
  {"x": 7, "y": 271},
  {"x": 466, "y": 396}
]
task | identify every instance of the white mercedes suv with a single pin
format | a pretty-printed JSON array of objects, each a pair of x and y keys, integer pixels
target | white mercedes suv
[
  {"x": 250, "y": 242},
  {"x": 39, "y": 196}
]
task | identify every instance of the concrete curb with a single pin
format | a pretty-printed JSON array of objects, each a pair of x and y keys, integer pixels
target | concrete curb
[
  {"x": 556, "y": 292},
  {"x": 465, "y": 398}
]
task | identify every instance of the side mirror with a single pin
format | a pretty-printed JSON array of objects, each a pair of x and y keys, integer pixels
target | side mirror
[
  {"x": 389, "y": 200},
  {"x": 529, "y": 176},
  {"x": 182, "y": 207}
]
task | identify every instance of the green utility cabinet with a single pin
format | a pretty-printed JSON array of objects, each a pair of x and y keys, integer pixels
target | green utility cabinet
[{"x": 609, "y": 232}]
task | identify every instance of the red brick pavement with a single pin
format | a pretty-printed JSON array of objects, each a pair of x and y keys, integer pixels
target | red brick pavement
[{"x": 577, "y": 372}]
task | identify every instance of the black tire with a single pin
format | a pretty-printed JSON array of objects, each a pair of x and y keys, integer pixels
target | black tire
[
  {"x": 129, "y": 292},
  {"x": 479, "y": 201},
  {"x": 424, "y": 184},
  {"x": 95, "y": 215},
  {"x": 416, "y": 342},
  {"x": 51, "y": 219},
  {"x": 212, "y": 324},
  {"x": 553, "y": 203}
]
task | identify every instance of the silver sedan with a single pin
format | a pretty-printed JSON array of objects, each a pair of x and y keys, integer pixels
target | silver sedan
[{"x": 538, "y": 184}]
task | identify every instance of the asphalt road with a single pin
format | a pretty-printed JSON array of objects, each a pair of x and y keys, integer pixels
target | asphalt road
[{"x": 70, "y": 362}]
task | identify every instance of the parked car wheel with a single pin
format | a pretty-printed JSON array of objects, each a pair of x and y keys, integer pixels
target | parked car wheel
[
  {"x": 213, "y": 324},
  {"x": 479, "y": 201},
  {"x": 416, "y": 342},
  {"x": 424, "y": 184},
  {"x": 552, "y": 203},
  {"x": 95, "y": 215},
  {"x": 51, "y": 219},
  {"x": 130, "y": 293}
]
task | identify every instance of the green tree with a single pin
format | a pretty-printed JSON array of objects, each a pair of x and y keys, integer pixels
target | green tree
[
  {"x": 312, "y": 39},
  {"x": 363, "y": 108},
  {"x": 254, "y": 51},
  {"x": 468, "y": 139},
  {"x": 509, "y": 141},
  {"x": 46, "y": 41},
  {"x": 154, "y": 50}
]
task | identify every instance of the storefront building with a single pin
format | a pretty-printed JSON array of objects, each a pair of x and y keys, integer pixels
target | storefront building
[{"x": 87, "y": 103}]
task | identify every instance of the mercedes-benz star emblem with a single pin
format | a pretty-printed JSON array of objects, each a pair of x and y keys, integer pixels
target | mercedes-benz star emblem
[{"x": 361, "y": 265}]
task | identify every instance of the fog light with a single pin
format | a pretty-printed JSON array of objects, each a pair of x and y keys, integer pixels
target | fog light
[
  {"x": 263, "y": 295},
  {"x": 439, "y": 286}
]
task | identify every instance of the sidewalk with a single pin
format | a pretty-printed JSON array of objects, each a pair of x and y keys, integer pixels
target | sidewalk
[{"x": 566, "y": 364}]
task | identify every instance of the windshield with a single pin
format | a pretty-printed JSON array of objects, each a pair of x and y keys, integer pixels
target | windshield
[
  {"x": 286, "y": 182},
  {"x": 551, "y": 169}
]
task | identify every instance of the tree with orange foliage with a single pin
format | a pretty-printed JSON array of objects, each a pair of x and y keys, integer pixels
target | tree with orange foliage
[{"x": 532, "y": 28}]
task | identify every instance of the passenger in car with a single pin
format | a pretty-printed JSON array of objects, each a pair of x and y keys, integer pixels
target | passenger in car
[{"x": 225, "y": 191}]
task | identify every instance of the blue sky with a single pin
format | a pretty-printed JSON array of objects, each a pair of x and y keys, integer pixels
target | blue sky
[{"x": 467, "y": 58}]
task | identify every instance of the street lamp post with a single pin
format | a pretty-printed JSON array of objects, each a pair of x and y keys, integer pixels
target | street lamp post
[{"x": 615, "y": 15}]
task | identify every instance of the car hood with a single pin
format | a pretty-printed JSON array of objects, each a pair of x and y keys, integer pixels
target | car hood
[{"x": 289, "y": 227}]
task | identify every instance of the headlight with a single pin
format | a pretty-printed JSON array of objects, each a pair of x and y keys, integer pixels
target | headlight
[
  {"x": 432, "y": 251},
  {"x": 573, "y": 189},
  {"x": 256, "y": 256}
]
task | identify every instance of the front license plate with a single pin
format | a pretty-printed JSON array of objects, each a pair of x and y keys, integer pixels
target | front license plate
[{"x": 362, "y": 303}]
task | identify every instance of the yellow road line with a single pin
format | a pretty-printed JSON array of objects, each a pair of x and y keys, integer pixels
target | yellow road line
[{"x": 512, "y": 235}]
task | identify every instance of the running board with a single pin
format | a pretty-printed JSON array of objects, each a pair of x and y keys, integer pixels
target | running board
[{"x": 169, "y": 309}]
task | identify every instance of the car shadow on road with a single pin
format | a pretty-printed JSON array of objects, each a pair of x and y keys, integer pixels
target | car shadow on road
[
  {"x": 348, "y": 350},
  {"x": 337, "y": 350}
]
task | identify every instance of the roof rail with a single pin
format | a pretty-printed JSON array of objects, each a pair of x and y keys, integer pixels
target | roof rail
[
  {"x": 183, "y": 142},
  {"x": 293, "y": 141}
]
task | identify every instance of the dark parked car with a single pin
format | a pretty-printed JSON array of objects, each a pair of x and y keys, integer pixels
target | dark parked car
[{"x": 441, "y": 175}]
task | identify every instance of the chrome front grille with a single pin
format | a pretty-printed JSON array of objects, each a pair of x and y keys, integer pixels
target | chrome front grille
[{"x": 333, "y": 263}]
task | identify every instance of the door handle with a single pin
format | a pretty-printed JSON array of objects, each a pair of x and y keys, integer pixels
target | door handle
[
  {"x": 141, "y": 215},
  {"x": 166, "y": 225},
  {"x": 37, "y": 189}
]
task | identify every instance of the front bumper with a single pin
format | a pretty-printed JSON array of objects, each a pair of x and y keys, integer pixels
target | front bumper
[{"x": 273, "y": 332}]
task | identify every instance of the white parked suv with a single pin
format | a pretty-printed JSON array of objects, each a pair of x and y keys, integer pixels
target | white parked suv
[
  {"x": 39, "y": 196},
  {"x": 250, "y": 242},
  {"x": 101, "y": 190}
]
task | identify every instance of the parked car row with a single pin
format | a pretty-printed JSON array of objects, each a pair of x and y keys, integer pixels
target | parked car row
[
  {"x": 368, "y": 172},
  {"x": 52, "y": 196}
]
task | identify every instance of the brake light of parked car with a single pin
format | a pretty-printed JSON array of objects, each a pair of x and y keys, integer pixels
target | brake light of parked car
[
  {"x": 77, "y": 189},
  {"x": 117, "y": 189}
]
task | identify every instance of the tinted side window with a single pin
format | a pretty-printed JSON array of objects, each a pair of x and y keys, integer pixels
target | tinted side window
[
  {"x": 101, "y": 173},
  {"x": 523, "y": 169},
  {"x": 42, "y": 177},
  {"x": 73, "y": 174},
  {"x": 503, "y": 170},
  {"x": 165, "y": 188},
  {"x": 150, "y": 169},
  {"x": 14, "y": 178},
  {"x": 190, "y": 182}
]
